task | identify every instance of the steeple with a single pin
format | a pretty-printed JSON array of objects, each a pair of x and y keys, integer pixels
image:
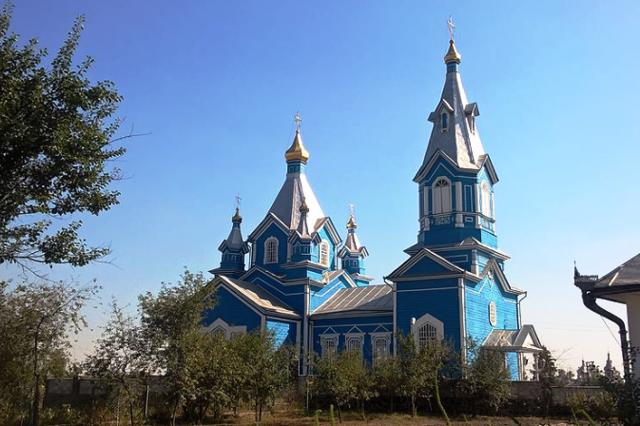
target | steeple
[
  {"x": 303, "y": 226},
  {"x": 454, "y": 130},
  {"x": 296, "y": 187},
  {"x": 456, "y": 177},
  {"x": 353, "y": 253},
  {"x": 233, "y": 249}
]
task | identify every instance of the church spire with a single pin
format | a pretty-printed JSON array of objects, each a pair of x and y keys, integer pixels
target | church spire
[
  {"x": 454, "y": 132},
  {"x": 233, "y": 249},
  {"x": 353, "y": 253}
]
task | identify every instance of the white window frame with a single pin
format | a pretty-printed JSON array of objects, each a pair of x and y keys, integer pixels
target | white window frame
[
  {"x": 385, "y": 338},
  {"x": 324, "y": 246},
  {"x": 425, "y": 322},
  {"x": 441, "y": 195},
  {"x": 325, "y": 339},
  {"x": 493, "y": 313},
  {"x": 268, "y": 259},
  {"x": 354, "y": 342},
  {"x": 486, "y": 199},
  {"x": 229, "y": 331}
]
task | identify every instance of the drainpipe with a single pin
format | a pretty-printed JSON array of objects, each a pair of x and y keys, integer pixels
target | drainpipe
[{"x": 590, "y": 302}]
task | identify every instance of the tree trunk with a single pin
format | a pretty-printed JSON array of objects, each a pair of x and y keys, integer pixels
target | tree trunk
[
  {"x": 414, "y": 410},
  {"x": 440, "y": 406},
  {"x": 174, "y": 413},
  {"x": 35, "y": 404}
]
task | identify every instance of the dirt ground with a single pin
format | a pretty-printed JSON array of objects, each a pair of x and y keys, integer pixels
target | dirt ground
[{"x": 352, "y": 419}]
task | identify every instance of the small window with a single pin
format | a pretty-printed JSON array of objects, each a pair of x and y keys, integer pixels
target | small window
[
  {"x": 444, "y": 121},
  {"x": 380, "y": 348},
  {"x": 324, "y": 253},
  {"x": 271, "y": 250},
  {"x": 329, "y": 346},
  {"x": 441, "y": 196},
  {"x": 493, "y": 315},
  {"x": 354, "y": 344}
]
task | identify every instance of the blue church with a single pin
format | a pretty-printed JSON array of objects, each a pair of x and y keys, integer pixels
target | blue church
[{"x": 309, "y": 287}]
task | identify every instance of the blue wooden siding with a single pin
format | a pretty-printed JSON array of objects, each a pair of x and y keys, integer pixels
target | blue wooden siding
[
  {"x": 438, "y": 298},
  {"x": 272, "y": 231},
  {"x": 477, "y": 299},
  {"x": 232, "y": 310},
  {"x": 283, "y": 332},
  {"x": 321, "y": 295}
]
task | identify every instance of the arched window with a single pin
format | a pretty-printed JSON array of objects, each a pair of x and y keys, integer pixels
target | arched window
[
  {"x": 444, "y": 121},
  {"x": 441, "y": 196},
  {"x": 380, "y": 345},
  {"x": 486, "y": 199},
  {"x": 426, "y": 330},
  {"x": 271, "y": 250},
  {"x": 324, "y": 253},
  {"x": 354, "y": 344}
]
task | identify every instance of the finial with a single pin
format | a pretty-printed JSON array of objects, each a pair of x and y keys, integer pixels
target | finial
[
  {"x": 236, "y": 218},
  {"x": 298, "y": 120},
  {"x": 452, "y": 55},
  {"x": 304, "y": 209},
  {"x": 351, "y": 223},
  {"x": 297, "y": 151},
  {"x": 451, "y": 26}
]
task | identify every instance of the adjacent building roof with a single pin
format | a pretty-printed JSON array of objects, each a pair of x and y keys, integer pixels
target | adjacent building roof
[
  {"x": 258, "y": 296},
  {"x": 359, "y": 300},
  {"x": 624, "y": 275},
  {"x": 617, "y": 285}
]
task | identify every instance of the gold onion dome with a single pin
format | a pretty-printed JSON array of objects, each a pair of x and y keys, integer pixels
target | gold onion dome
[
  {"x": 452, "y": 54},
  {"x": 236, "y": 217},
  {"x": 297, "y": 151},
  {"x": 351, "y": 224}
]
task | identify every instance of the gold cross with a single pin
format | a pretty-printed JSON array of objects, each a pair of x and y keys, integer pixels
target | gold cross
[{"x": 238, "y": 200}]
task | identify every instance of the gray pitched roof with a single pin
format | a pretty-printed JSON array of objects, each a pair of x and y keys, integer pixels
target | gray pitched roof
[
  {"x": 258, "y": 296},
  {"x": 459, "y": 142},
  {"x": 371, "y": 299},
  {"x": 287, "y": 203},
  {"x": 624, "y": 275}
]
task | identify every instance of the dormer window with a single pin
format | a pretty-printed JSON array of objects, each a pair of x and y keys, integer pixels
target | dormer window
[
  {"x": 444, "y": 121},
  {"x": 486, "y": 200},
  {"x": 271, "y": 250}
]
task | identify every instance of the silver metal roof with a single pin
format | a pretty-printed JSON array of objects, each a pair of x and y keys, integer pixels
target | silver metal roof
[
  {"x": 523, "y": 340},
  {"x": 459, "y": 141},
  {"x": 259, "y": 296},
  {"x": 371, "y": 298},
  {"x": 287, "y": 203},
  {"x": 624, "y": 275}
]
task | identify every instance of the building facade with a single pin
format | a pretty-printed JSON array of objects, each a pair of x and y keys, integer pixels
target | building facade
[{"x": 309, "y": 287}]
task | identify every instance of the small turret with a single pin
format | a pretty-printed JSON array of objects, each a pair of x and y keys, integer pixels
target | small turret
[
  {"x": 233, "y": 249},
  {"x": 353, "y": 253}
]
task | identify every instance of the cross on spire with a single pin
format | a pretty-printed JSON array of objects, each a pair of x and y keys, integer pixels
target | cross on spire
[
  {"x": 298, "y": 121},
  {"x": 352, "y": 209},
  {"x": 238, "y": 201},
  {"x": 451, "y": 26}
]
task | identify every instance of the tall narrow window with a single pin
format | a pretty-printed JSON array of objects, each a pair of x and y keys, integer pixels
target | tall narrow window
[
  {"x": 486, "y": 199},
  {"x": 271, "y": 250},
  {"x": 380, "y": 347},
  {"x": 354, "y": 344},
  {"x": 441, "y": 196},
  {"x": 329, "y": 346},
  {"x": 444, "y": 121},
  {"x": 324, "y": 253}
]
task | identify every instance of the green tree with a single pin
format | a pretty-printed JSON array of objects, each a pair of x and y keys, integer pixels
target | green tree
[
  {"x": 267, "y": 369},
  {"x": 36, "y": 320},
  {"x": 120, "y": 359},
  {"x": 486, "y": 382},
  {"x": 547, "y": 377},
  {"x": 56, "y": 150},
  {"x": 171, "y": 321},
  {"x": 387, "y": 379}
]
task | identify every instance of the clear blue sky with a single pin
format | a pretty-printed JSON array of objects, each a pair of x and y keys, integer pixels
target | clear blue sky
[{"x": 217, "y": 84}]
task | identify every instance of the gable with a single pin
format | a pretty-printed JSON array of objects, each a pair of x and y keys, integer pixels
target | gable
[{"x": 425, "y": 262}]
